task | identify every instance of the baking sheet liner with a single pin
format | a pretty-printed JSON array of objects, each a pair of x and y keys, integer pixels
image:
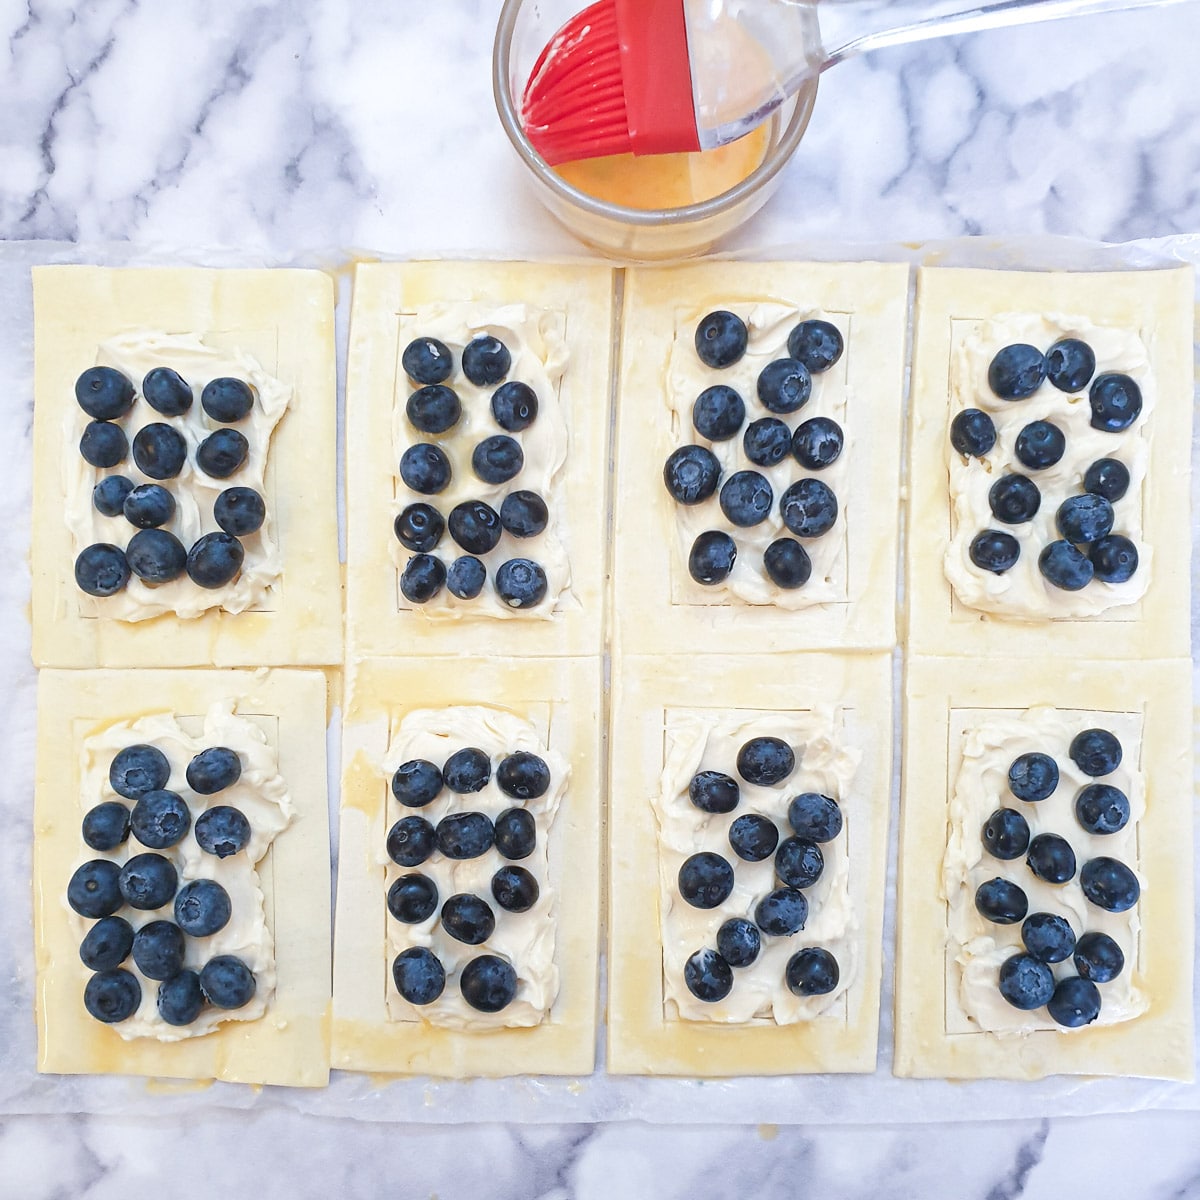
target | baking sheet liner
[{"x": 823, "y": 1099}]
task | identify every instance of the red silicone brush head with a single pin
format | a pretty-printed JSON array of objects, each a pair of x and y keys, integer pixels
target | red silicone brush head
[{"x": 614, "y": 79}]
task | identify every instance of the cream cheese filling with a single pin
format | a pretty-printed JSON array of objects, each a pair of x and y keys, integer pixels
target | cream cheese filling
[
  {"x": 260, "y": 794},
  {"x": 703, "y": 741},
  {"x": 135, "y": 355},
  {"x": 526, "y": 940},
  {"x": 978, "y": 947},
  {"x": 1022, "y": 592}
]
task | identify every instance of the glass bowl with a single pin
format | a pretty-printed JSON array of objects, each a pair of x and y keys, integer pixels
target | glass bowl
[{"x": 632, "y": 234}]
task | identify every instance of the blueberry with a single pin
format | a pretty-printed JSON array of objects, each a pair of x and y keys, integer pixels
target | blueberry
[
  {"x": 104, "y": 393},
  {"x": 799, "y": 862},
  {"x": 1101, "y": 808},
  {"x": 812, "y": 971},
  {"x": 524, "y": 514},
  {"x": 467, "y": 771},
  {"x": 488, "y": 983},
  {"x": 227, "y": 399},
  {"x": 815, "y": 817},
  {"x": 817, "y": 344},
  {"x": 227, "y": 982},
  {"x": 718, "y": 413},
  {"x": 523, "y": 775},
  {"x": 215, "y": 560},
  {"x": 1040, "y": 445},
  {"x": 222, "y": 453},
  {"x": 101, "y": 569},
  {"x": 692, "y": 474},
  {"x": 485, "y": 360},
  {"x": 160, "y": 819},
  {"x": 516, "y": 833},
  {"x": 465, "y": 577},
  {"x": 412, "y": 899},
  {"x": 167, "y": 392},
  {"x": 93, "y": 889},
  {"x": 148, "y": 506},
  {"x": 1001, "y": 901},
  {"x": 422, "y": 578},
  {"x": 1116, "y": 402},
  {"x": 156, "y": 556},
  {"x": 1025, "y": 982},
  {"x": 103, "y": 444},
  {"x": 784, "y": 385},
  {"x": 419, "y": 527},
  {"x": 222, "y": 830},
  {"x": 109, "y": 494},
  {"x": 1085, "y": 518},
  {"x": 712, "y": 557},
  {"x": 809, "y": 508},
  {"x": 766, "y": 442},
  {"x": 514, "y": 406},
  {"x": 465, "y": 835},
  {"x": 765, "y": 761},
  {"x": 419, "y": 975},
  {"x": 753, "y": 837},
  {"x": 1051, "y": 858},
  {"x": 416, "y": 782},
  {"x": 705, "y": 880},
  {"x": 112, "y": 996},
  {"x": 106, "y": 826},
  {"x": 213, "y": 769},
  {"x": 972, "y": 432},
  {"x": 410, "y": 841},
  {"x": 107, "y": 944},
  {"x": 1070, "y": 364},
  {"x": 1017, "y": 371},
  {"x": 1049, "y": 938},
  {"x": 425, "y": 469},
  {"x": 521, "y": 583},
  {"x": 817, "y": 443},
  {"x": 1062, "y": 565},
  {"x": 240, "y": 511},
  {"x": 1033, "y": 776},
  {"x": 180, "y": 998},
  {"x": 497, "y": 459},
  {"x": 1076, "y": 1002},
  {"x": 1005, "y": 834},
  {"x": 1098, "y": 958},
  {"x": 137, "y": 770},
  {"x": 707, "y": 976},
  {"x": 467, "y": 918},
  {"x": 995, "y": 551},
  {"x": 1014, "y": 499},
  {"x": 1107, "y": 477},
  {"x": 1096, "y": 752},
  {"x": 475, "y": 526},
  {"x": 721, "y": 339},
  {"x": 738, "y": 941},
  {"x": 434, "y": 408},
  {"x": 787, "y": 564},
  {"x": 426, "y": 360},
  {"x": 159, "y": 450},
  {"x": 515, "y": 889},
  {"x": 714, "y": 792},
  {"x": 1109, "y": 884},
  {"x": 158, "y": 949},
  {"x": 782, "y": 912},
  {"x": 1114, "y": 558},
  {"x": 202, "y": 908},
  {"x": 148, "y": 881},
  {"x": 746, "y": 498}
]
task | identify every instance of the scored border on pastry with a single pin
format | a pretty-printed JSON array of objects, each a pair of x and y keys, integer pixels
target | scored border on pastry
[
  {"x": 943, "y": 697},
  {"x": 282, "y": 318},
  {"x": 289, "y": 1044},
  {"x": 1153, "y": 306},
  {"x": 658, "y": 606},
  {"x": 387, "y": 303},
  {"x": 560, "y": 698},
  {"x": 641, "y": 1039}
]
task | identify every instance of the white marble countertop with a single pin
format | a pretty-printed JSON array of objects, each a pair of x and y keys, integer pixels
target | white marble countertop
[{"x": 295, "y": 127}]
